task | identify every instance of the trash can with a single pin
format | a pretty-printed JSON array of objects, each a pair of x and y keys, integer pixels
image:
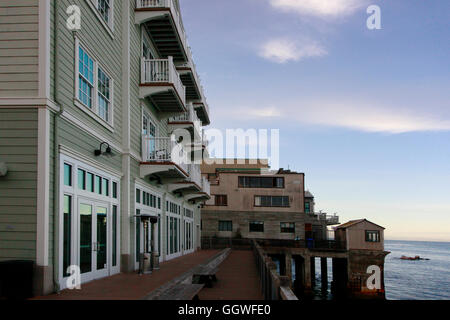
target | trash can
[
  {"x": 16, "y": 279},
  {"x": 310, "y": 243}
]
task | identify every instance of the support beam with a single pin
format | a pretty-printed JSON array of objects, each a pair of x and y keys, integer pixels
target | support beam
[
  {"x": 324, "y": 272},
  {"x": 288, "y": 265},
  {"x": 313, "y": 270}
]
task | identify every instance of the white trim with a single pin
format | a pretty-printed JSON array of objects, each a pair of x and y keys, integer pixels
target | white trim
[
  {"x": 20, "y": 102},
  {"x": 44, "y": 49},
  {"x": 93, "y": 111},
  {"x": 89, "y": 130},
  {"x": 43, "y": 188},
  {"x": 97, "y": 199},
  {"x": 108, "y": 27},
  {"x": 64, "y": 150}
]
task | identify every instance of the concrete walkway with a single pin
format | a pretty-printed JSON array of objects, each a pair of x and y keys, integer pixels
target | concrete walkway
[
  {"x": 237, "y": 279},
  {"x": 134, "y": 286}
]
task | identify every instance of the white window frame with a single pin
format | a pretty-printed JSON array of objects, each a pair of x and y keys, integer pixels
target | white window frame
[
  {"x": 146, "y": 39},
  {"x": 94, "y": 111},
  {"x": 76, "y": 194},
  {"x": 109, "y": 26}
]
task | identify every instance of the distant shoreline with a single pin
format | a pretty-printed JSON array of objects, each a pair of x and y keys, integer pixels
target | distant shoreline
[{"x": 419, "y": 241}]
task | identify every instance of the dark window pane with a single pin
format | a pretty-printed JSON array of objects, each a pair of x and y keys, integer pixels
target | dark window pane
[
  {"x": 98, "y": 185},
  {"x": 90, "y": 182},
  {"x": 138, "y": 236},
  {"x": 67, "y": 236},
  {"x": 138, "y": 196},
  {"x": 67, "y": 175},
  {"x": 105, "y": 187},
  {"x": 86, "y": 238},
  {"x": 81, "y": 179},
  {"x": 256, "y": 226},
  {"x": 114, "y": 236},
  {"x": 114, "y": 190}
]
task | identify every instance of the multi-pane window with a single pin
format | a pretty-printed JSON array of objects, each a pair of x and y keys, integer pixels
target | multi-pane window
[
  {"x": 86, "y": 77},
  {"x": 271, "y": 201},
  {"x": 221, "y": 200},
  {"x": 95, "y": 86},
  {"x": 104, "y": 8},
  {"x": 287, "y": 227},
  {"x": 225, "y": 226},
  {"x": 104, "y": 95},
  {"x": 372, "y": 236},
  {"x": 307, "y": 207},
  {"x": 256, "y": 226},
  {"x": 261, "y": 182}
]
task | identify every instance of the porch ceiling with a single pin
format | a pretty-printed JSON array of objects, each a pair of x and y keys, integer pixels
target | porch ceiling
[{"x": 166, "y": 39}]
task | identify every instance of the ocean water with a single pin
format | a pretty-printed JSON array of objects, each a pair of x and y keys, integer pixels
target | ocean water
[
  {"x": 417, "y": 280},
  {"x": 405, "y": 280}
]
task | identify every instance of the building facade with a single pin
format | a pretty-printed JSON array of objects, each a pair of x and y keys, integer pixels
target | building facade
[
  {"x": 89, "y": 122},
  {"x": 249, "y": 200}
]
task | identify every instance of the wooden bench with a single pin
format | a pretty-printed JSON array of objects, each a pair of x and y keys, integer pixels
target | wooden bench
[
  {"x": 182, "y": 291},
  {"x": 205, "y": 275}
]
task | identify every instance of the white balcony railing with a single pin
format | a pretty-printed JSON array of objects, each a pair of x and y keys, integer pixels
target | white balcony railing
[
  {"x": 195, "y": 175},
  {"x": 163, "y": 150},
  {"x": 174, "y": 10},
  {"x": 322, "y": 216},
  {"x": 206, "y": 185},
  {"x": 162, "y": 71},
  {"x": 189, "y": 116}
]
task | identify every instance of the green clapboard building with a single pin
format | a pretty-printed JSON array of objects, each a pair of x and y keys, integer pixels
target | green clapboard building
[{"x": 94, "y": 95}]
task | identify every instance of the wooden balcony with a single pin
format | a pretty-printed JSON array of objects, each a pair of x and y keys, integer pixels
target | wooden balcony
[
  {"x": 162, "y": 19},
  {"x": 163, "y": 157},
  {"x": 161, "y": 83},
  {"x": 189, "y": 121}
]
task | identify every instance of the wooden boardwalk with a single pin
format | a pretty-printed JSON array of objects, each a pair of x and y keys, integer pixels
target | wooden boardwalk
[
  {"x": 134, "y": 286},
  {"x": 237, "y": 279}
]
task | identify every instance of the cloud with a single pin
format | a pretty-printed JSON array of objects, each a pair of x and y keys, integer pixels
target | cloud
[
  {"x": 319, "y": 8},
  {"x": 285, "y": 50},
  {"x": 351, "y": 115},
  {"x": 370, "y": 118}
]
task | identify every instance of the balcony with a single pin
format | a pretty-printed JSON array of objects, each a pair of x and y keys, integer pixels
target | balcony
[
  {"x": 162, "y": 19},
  {"x": 191, "y": 185},
  {"x": 163, "y": 158},
  {"x": 203, "y": 195},
  {"x": 330, "y": 220},
  {"x": 202, "y": 109},
  {"x": 190, "y": 78},
  {"x": 161, "y": 83},
  {"x": 187, "y": 120}
]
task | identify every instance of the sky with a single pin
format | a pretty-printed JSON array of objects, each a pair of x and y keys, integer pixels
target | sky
[{"x": 365, "y": 114}]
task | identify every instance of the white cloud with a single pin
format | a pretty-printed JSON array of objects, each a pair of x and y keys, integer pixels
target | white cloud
[
  {"x": 320, "y": 8},
  {"x": 370, "y": 118},
  {"x": 351, "y": 115},
  {"x": 285, "y": 50}
]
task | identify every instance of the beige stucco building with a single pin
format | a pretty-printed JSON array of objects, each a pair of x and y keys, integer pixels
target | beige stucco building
[{"x": 249, "y": 200}]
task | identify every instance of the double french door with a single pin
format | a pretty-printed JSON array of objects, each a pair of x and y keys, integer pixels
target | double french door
[{"x": 94, "y": 232}]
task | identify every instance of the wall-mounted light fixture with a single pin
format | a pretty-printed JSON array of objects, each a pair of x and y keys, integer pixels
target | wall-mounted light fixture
[
  {"x": 3, "y": 169},
  {"x": 107, "y": 152}
]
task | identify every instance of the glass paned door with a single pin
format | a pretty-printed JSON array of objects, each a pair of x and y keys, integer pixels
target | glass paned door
[
  {"x": 93, "y": 247},
  {"x": 102, "y": 236},
  {"x": 86, "y": 237}
]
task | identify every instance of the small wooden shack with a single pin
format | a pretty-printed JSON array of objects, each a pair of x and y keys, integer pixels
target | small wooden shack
[{"x": 361, "y": 235}]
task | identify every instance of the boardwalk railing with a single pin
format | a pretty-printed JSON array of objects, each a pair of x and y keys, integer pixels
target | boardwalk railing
[
  {"x": 307, "y": 244},
  {"x": 222, "y": 243},
  {"x": 274, "y": 286}
]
